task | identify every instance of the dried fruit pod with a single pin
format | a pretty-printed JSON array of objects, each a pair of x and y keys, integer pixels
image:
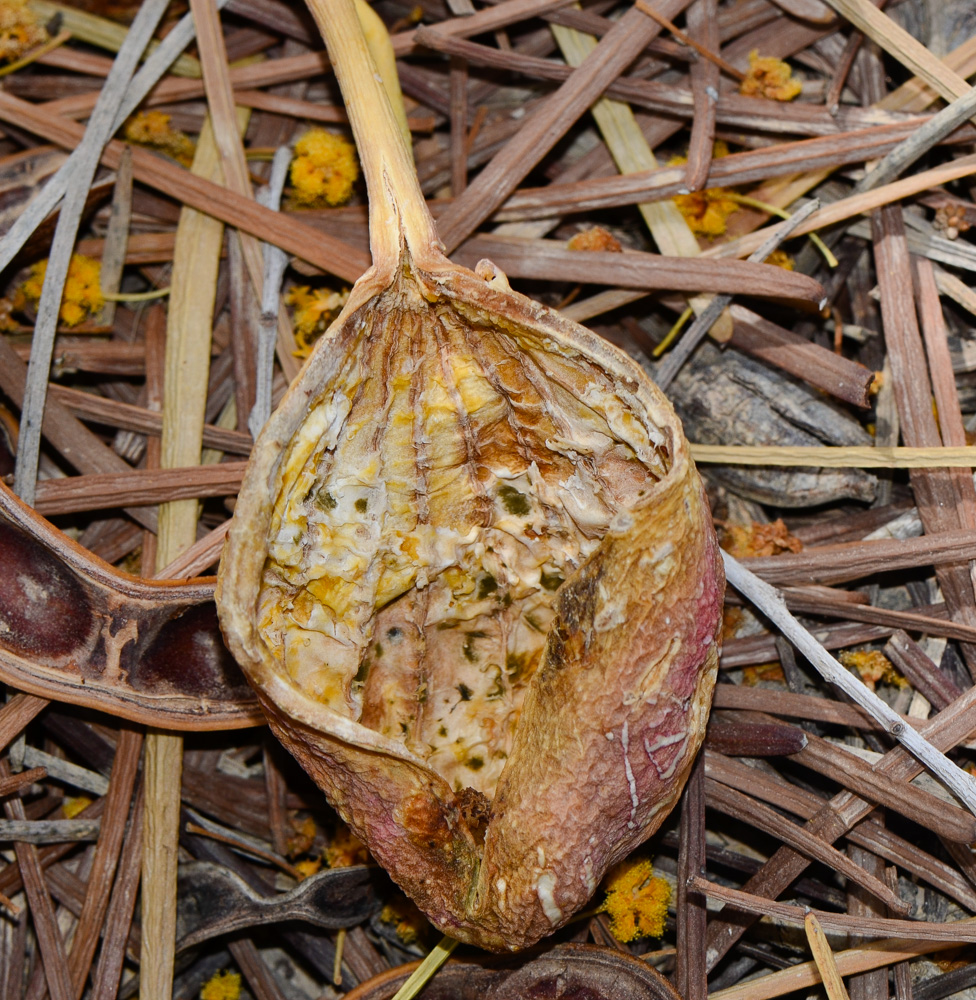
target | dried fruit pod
[
  {"x": 472, "y": 574},
  {"x": 75, "y": 629}
]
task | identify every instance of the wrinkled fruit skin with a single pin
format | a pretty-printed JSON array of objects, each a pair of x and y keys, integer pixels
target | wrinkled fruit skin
[{"x": 608, "y": 724}]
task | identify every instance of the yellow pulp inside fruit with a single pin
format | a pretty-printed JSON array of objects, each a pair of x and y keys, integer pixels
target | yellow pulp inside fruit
[{"x": 454, "y": 473}]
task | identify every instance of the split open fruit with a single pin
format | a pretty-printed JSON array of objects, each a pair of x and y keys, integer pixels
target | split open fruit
[{"x": 472, "y": 574}]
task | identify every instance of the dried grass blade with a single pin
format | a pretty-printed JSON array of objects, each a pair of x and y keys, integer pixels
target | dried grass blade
[
  {"x": 97, "y": 134},
  {"x": 773, "y": 606},
  {"x": 919, "y": 930},
  {"x": 49, "y": 939},
  {"x": 897, "y": 42},
  {"x": 121, "y": 908},
  {"x": 616, "y": 50},
  {"x": 837, "y": 456},
  {"x": 824, "y": 957},
  {"x": 188, "y": 338},
  {"x": 100, "y": 31},
  {"x": 124, "y": 771}
]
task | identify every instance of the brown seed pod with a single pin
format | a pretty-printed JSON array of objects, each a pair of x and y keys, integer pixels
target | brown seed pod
[
  {"x": 472, "y": 574},
  {"x": 74, "y": 629}
]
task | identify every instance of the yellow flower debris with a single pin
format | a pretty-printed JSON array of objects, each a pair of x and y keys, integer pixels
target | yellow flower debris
[
  {"x": 152, "y": 129},
  {"x": 82, "y": 289},
  {"x": 308, "y": 867},
  {"x": 222, "y": 986},
  {"x": 706, "y": 211},
  {"x": 769, "y": 77},
  {"x": 19, "y": 30},
  {"x": 74, "y": 804},
  {"x": 744, "y": 540},
  {"x": 873, "y": 667},
  {"x": 324, "y": 169},
  {"x": 762, "y": 673},
  {"x": 303, "y": 838},
  {"x": 408, "y": 922},
  {"x": 637, "y": 901},
  {"x": 780, "y": 258},
  {"x": 314, "y": 311},
  {"x": 595, "y": 238},
  {"x": 345, "y": 849},
  {"x": 7, "y": 322}
]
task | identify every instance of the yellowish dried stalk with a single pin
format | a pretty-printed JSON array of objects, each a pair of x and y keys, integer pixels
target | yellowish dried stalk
[
  {"x": 471, "y": 574},
  {"x": 839, "y": 457},
  {"x": 196, "y": 259},
  {"x": 630, "y": 151}
]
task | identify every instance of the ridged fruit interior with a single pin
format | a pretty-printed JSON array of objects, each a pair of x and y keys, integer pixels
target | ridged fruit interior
[{"x": 454, "y": 474}]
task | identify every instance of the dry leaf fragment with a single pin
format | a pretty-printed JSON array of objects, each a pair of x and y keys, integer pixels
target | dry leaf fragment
[{"x": 472, "y": 574}]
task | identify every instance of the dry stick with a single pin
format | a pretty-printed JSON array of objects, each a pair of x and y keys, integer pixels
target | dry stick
[
  {"x": 275, "y": 263},
  {"x": 920, "y": 930},
  {"x": 771, "y": 603},
  {"x": 124, "y": 771},
  {"x": 920, "y": 142},
  {"x": 870, "y": 835},
  {"x": 691, "y": 978},
  {"x": 708, "y": 50},
  {"x": 220, "y": 100},
  {"x": 816, "y": 603},
  {"x": 116, "y": 240},
  {"x": 922, "y": 673},
  {"x": 824, "y": 957},
  {"x": 804, "y": 975},
  {"x": 838, "y": 456},
  {"x": 194, "y": 560},
  {"x": 138, "y": 487},
  {"x": 17, "y": 714},
  {"x": 741, "y": 806},
  {"x": 458, "y": 77},
  {"x": 142, "y": 419},
  {"x": 45, "y": 202},
  {"x": 551, "y": 259},
  {"x": 935, "y": 336},
  {"x": 46, "y": 928},
  {"x": 952, "y": 726},
  {"x": 902, "y": 796},
  {"x": 902, "y": 46},
  {"x": 841, "y": 71},
  {"x": 702, "y": 21},
  {"x": 668, "y": 369},
  {"x": 17, "y": 781},
  {"x": 121, "y": 908},
  {"x": 630, "y": 151},
  {"x": 100, "y": 128},
  {"x": 937, "y": 495},
  {"x": 615, "y": 51},
  {"x": 291, "y": 235},
  {"x": 737, "y": 168}
]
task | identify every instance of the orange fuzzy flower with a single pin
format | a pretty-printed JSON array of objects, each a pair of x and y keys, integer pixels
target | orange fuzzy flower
[
  {"x": 742, "y": 541},
  {"x": 873, "y": 667},
  {"x": 324, "y": 170},
  {"x": 19, "y": 30},
  {"x": 152, "y": 129},
  {"x": 637, "y": 901},
  {"x": 314, "y": 311},
  {"x": 769, "y": 77},
  {"x": 82, "y": 288},
  {"x": 595, "y": 238}
]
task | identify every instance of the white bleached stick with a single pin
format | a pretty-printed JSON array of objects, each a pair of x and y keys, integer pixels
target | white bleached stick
[{"x": 770, "y": 602}]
